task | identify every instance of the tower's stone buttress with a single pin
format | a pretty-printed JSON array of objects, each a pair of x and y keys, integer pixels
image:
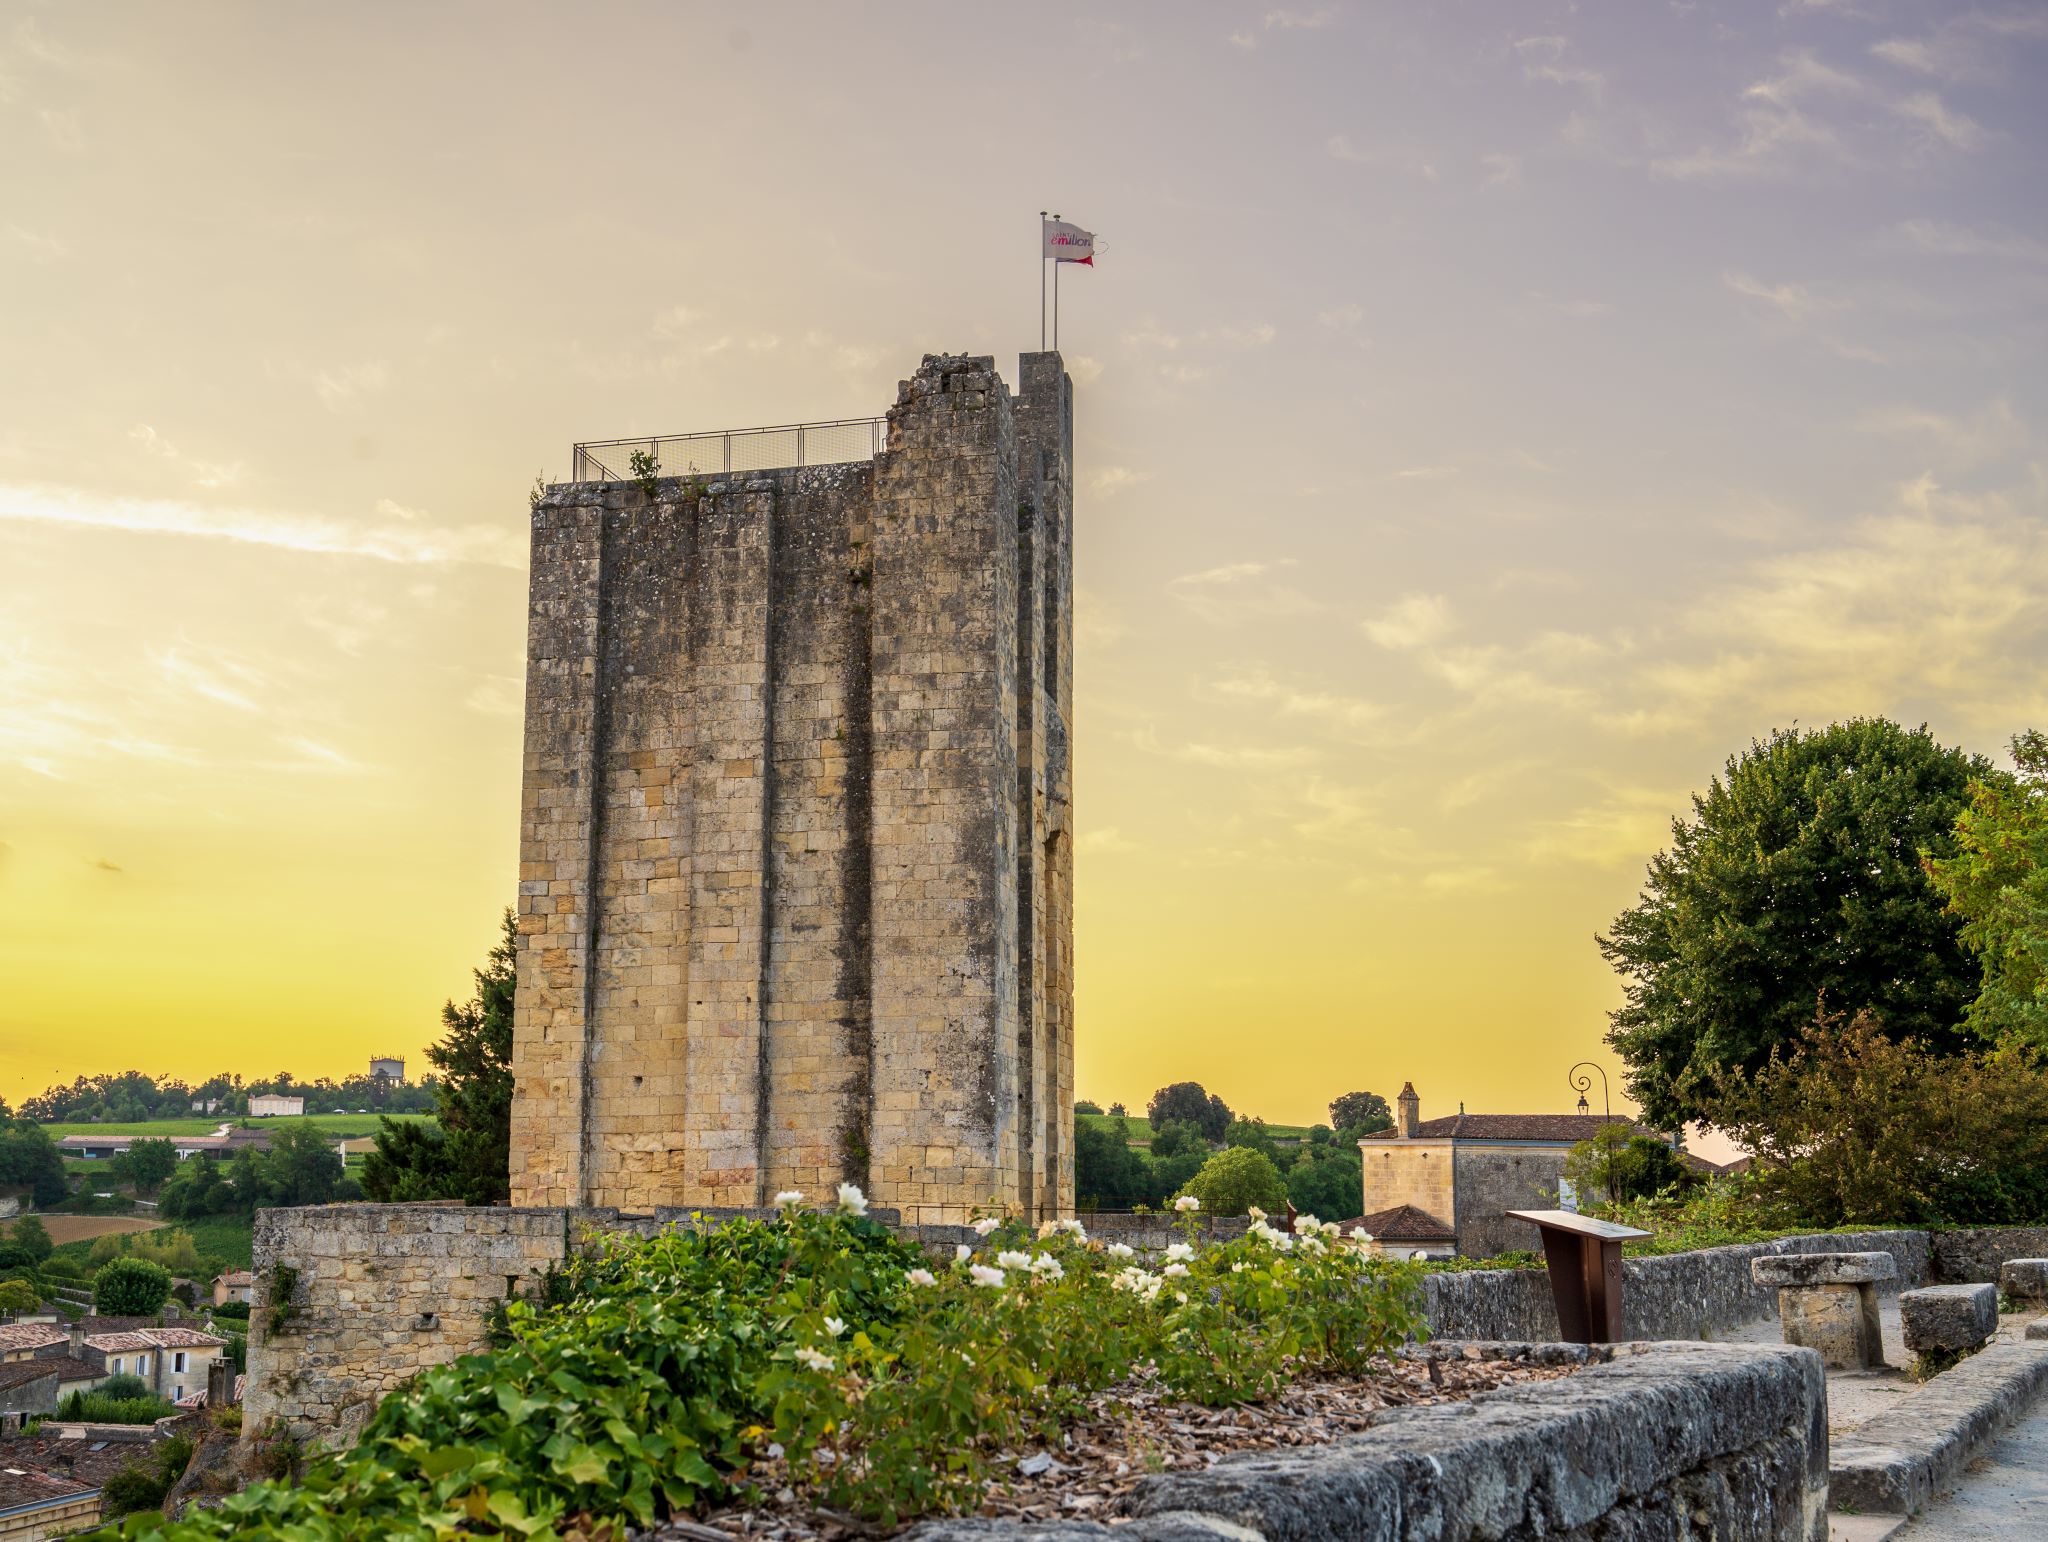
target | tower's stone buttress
[{"x": 796, "y": 878}]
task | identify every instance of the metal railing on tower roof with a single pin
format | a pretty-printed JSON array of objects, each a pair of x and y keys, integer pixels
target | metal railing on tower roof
[{"x": 724, "y": 451}]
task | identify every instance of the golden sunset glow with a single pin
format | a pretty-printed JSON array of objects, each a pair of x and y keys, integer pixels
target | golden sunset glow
[{"x": 1486, "y": 421}]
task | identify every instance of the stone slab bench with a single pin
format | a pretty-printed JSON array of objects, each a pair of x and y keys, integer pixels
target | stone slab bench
[
  {"x": 1917, "y": 1449},
  {"x": 1949, "y": 1319},
  {"x": 1827, "y": 1302},
  {"x": 2024, "y": 1279}
]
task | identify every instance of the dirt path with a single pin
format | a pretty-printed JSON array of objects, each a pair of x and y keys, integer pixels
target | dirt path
[{"x": 78, "y": 1228}]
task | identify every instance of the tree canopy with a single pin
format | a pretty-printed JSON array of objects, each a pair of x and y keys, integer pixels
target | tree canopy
[
  {"x": 1798, "y": 878},
  {"x": 1361, "y": 1111},
  {"x": 1233, "y": 1180},
  {"x": 466, "y": 1155},
  {"x": 1996, "y": 885},
  {"x": 1193, "y": 1103},
  {"x": 130, "y": 1287}
]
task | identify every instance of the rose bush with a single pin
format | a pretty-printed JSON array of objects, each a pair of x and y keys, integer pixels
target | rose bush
[{"x": 660, "y": 1375}]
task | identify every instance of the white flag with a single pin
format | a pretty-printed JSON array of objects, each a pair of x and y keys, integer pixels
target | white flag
[{"x": 1069, "y": 243}]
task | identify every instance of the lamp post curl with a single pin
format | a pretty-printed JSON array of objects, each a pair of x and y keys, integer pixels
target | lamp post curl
[{"x": 1582, "y": 1083}]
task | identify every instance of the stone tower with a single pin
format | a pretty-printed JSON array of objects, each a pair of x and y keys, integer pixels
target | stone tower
[{"x": 796, "y": 851}]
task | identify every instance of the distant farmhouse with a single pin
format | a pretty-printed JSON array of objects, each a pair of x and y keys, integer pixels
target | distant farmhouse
[
  {"x": 269, "y": 1105},
  {"x": 1444, "y": 1185},
  {"x": 226, "y": 1142}
]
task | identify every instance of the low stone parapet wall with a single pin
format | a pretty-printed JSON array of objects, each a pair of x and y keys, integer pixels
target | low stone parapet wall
[
  {"x": 1971, "y": 1255},
  {"x": 353, "y": 1300},
  {"x": 1651, "y": 1442},
  {"x": 1698, "y": 1295}
]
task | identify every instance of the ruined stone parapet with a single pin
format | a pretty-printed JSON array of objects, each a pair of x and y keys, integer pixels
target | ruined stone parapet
[
  {"x": 352, "y": 1301},
  {"x": 796, "y": 840}
]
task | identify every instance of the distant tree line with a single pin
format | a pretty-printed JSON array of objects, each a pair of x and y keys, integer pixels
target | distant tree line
[
  {"x": 135, "y": 1097},
  {"x": 1319, "y": 1174},
  {"x": 300, "y": 1168}
]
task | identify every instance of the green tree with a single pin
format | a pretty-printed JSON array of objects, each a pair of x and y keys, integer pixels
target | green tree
[
  {"x": 1253, "y": 1135},
  {"x": 147, "y": 1163},
  {"x": 1361, "y": 1111},
  {"x": 467, "y": 1155},
  {"x": 1191, "y": 1102},
  {"x": 1234, "y": 1180},
  {"x": 30, "y": 1159},
  {"x": 302, "y": 1167},
  {"x": 130, "y": 1287},
  {"x": 31, "y": 1236},
  {"x": 1850, "y": 1127},
  {"x": 1996, "y": 885},
  {"x": 1176, "y": 1137},
  {"x": 19, "y": 1296},
  {"x": 1108, "y": 1174},
  {"x": 1798, "y": 878},
  {"x": 1624, "y": 1164},
  {"x": 1330, "y": 1184},
  {"x": 1087, "y": 1106}
]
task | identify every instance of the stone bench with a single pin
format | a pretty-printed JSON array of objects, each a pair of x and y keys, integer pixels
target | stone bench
[
  {"x": 1949, "y": 1319},
  {"x": 1827, "y": 1302},
  {"x": 2024, "y": 1279}
]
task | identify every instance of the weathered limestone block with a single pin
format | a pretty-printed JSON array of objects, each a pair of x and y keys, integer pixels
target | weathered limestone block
[
  {"x": 1827, "y": 1302},
  {"x": 1949, "y": 1319},
  {"x": 2024, "y": 1279}
]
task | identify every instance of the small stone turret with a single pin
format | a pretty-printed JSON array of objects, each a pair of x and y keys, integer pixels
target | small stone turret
[{"x": 1409, "y": 1118}]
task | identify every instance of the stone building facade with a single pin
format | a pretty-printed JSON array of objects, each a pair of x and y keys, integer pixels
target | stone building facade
[
  {"x": 796, "y": 843},
  {"x": 1467, "y": 1170}
]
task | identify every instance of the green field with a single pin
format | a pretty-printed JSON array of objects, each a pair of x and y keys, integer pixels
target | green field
[
  {"x": 224, "y": 1237},
  {"x": 333, "y": 1124}
]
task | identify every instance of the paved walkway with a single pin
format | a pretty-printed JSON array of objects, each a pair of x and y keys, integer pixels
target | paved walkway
[{"x": 2005, "y": 1493}]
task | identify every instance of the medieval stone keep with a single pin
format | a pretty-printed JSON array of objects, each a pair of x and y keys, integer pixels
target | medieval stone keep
[{"x": 796, "y": 847}]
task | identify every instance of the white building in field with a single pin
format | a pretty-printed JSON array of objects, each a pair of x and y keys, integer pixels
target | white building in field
[{"x": 268, "y": 1105}]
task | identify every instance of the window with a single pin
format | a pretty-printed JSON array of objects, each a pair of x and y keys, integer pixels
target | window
[
  {"x": 178, "y": 1362},
  {"x": 178, "y": 1392},
  {"x": 142, "y": 1365},
  {"x": 117, "y": 1365}
]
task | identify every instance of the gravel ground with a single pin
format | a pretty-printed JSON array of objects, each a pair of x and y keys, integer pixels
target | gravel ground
[{"x": 1131, "y": 1432}]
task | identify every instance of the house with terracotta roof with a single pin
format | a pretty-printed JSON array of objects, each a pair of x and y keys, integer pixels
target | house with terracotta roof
[
  {"x": 171, "y": 1357},
  {"x": 1460, "y": 1174}
]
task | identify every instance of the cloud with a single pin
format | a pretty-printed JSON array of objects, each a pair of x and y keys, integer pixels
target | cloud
[
  {"x": 1464, "y": 880},
  {"x": 344, "y": 385},
  {"x": 1241, "y": 591},
  {"x": 406, "y": 542},
  {"x": 205, "y": 473},
  {"x": 1111, "y": 480},
  {"x": 1342, "y": 317},
  {"x": 1790, "y": 300},
  {"x": 224, "y": 680},
  {"x": 1501, "y": 168},
  {"x": 1953, "y": 129},
  {"x": 1401, "y": 158},
  {"x": 62, "y": 130},
  {"x": 38, "y": 246},
  {"x": 1413, "y": 621},
  {"x": 1336, "y": 711},
  {"x": 1084, "y": 370},
  {"x": 497, "y": 696},
  {"x": 1989, "y": 432},
  {"x": 1247, "y": 757},
  {"x": 1105, "y": 841},
  {"x": 1425, "y": 473},
  {"x": 1286, "y": 20},
  {"x": 1948, "y": 240}
]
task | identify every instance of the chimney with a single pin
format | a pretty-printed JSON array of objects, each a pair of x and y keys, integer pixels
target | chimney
[
  {"x": 76, "y": 1328},
  {"x": 220, "y": 1383},
  {"x": 1410, "y": 1106}
]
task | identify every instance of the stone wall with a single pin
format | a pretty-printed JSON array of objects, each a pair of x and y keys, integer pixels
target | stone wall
[
  {"x": 354, "y": 1300},
  {"x": 795, "y": 868},
  {"x": 1493, "y": 1179},
  {"x": 1650, "y": 1443},
  {"x": 1697, "y": 1295},
  {"x": 1971, "y": 1255}
]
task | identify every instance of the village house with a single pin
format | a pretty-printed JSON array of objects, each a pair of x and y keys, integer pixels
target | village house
[
  {"x": 1445, "y": 1185},
  {"x": 270, "y": 1105},
  {"x": 235, "y": 1285},
  {"x": 172, "y": 1359}
]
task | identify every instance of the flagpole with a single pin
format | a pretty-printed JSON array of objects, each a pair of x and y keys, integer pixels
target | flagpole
[
  {"x": 1041, "y": 281},
  {"x": 1056, "y": 302}
]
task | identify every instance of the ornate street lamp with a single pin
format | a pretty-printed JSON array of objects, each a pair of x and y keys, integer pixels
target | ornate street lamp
[{"x": 1579, "y": 1079}]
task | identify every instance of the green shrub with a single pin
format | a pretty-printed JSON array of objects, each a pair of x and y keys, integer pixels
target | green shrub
[
  {"x": 1235, "y": 1180},
  {"x": 657, "y": 1370},
  {"x": 19, "y": 1296},
  {"x": 98, "y": 1408},
  {"x": 130, "y": 1287},
  {"x": 144, "y": 1485},
  {"x": 124, "y": 1387},
  {"x": 32, "y": 1237},
  {"x": 238, "y": 1310}
]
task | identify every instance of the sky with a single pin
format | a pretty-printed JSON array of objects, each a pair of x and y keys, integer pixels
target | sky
[{"x": 1489, "y": 417}]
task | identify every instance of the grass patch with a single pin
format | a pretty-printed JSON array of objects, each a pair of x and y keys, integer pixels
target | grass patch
[{"x": 333, "y": 1124}]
